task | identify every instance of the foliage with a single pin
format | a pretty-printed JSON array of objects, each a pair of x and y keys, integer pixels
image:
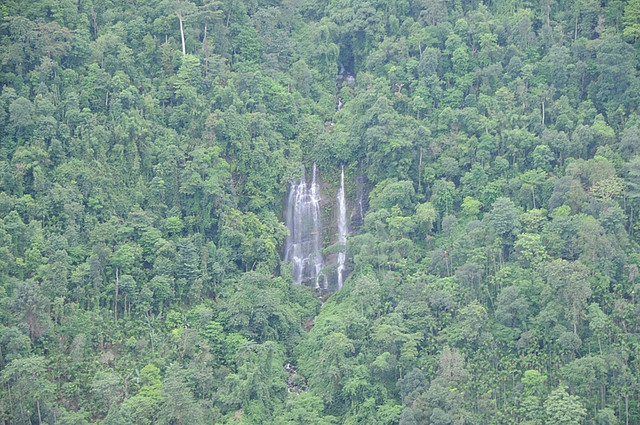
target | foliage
[{"x": 145, "y": 154}]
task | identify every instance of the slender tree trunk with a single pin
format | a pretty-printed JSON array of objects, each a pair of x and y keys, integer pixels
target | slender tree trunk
[
  {"x": 626, "y": 409},
  {"x": 22, "y": 412},
  {"x": 204, "y": 38},
  {"x": 39, "y": 415},
  {"x": 600, "y": 347},
  {"x": 184, "y": 49},
  {"x": 548, "y": 10},
  {"x": 115, "y": 303},
  {"x": 533, "y": 197},
  {"x": 94, "y": 18},
  {"x": 420, "y": 171},
  {"x": 205, "y": 52},
  {"x": 10, "y": 401}
]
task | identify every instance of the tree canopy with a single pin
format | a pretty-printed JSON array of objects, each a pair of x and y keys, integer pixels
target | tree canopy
[{"x": 491, "y": 152}]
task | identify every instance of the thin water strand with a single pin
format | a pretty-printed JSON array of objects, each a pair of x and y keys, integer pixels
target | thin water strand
[{"x": 343, "y": 231}]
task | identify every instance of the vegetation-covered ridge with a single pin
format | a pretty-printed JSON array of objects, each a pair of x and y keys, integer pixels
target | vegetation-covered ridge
[{"x": 146, "y": 149}]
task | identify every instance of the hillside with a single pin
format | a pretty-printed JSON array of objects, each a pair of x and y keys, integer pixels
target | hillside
[{"x": 151, "y": 153}]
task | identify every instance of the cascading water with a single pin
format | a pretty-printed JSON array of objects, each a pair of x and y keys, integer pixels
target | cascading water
[
  {"x": 304, "y": 243},
  {"x": 342, "y": 230}
]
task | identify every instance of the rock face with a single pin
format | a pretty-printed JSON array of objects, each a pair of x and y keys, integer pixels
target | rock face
[
  {"x": 344, "y": 77},
  {"x": 307, "y": 214},
  {"x": 360, "y": 204},
  {"x": 304, "y": 243},
  {"x": 295, "y": 382}
]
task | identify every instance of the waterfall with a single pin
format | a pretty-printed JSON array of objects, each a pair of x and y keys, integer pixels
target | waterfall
[
  {"x": 342, "y": 229},
  {"x": 303, "y": 247},
  {"x": 304, "y": 243}
]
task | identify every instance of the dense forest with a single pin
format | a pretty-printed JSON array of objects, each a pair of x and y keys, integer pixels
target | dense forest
[{"x": 147, "y": 149}]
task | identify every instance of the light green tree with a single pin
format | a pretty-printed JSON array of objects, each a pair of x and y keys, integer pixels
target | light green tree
[{"x": 562, "y": 408}]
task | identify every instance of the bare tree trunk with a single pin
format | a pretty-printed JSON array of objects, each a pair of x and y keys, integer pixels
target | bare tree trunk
[
  {"x": 533, "y": 197},
  {"x": 39, "y": 415},
  {"x": 94, "y": 17},
  {"x": 22, "y": 412},
  {"x": 626, "y": 409},
  {"x": 631, "y": 221},
  {"x": 204, "y": 38},
  {"x": 115, "y": 303},
  {"x": 10, "y": 400},
  {"x": 150, "y": 325},
  {"x": 419, "y": 171},
  {"x": 548, "y": 10},
  {"x": 184, "y": 49}
]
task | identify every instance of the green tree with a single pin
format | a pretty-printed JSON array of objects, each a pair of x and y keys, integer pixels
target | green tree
[
  {"x": 443, "y": 196},
  {"x": 633, "y": 188},
  {"x": 512, "y": 308},
  {"x": 333, "y": 364},
  {"x": 563, "y": 408},
  {"x": 570, "y": 282},
  {"x": 107, "y": 390},
  {"x": 123, "y": 260},
  {"x": 305, "y": 409},
  {"x": 179, "y": 404},
  {"x": 532, "y": 179},
  {"x": 31, "y": 307},
  {"x": 183, "y": 9},
  {"x": 531, "y": 407},
  {"x": 31, "y": 391},
  {"x": 503, "y": 217},
  {"x": 631, "y": 20},
  {"x": 143, "y": 407}
]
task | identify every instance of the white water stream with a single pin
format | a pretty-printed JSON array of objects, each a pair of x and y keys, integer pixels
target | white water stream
[{"x": 343, "y": 231}]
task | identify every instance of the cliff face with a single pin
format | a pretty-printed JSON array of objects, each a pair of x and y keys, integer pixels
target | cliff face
[{"x": 320, "y": 215}]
